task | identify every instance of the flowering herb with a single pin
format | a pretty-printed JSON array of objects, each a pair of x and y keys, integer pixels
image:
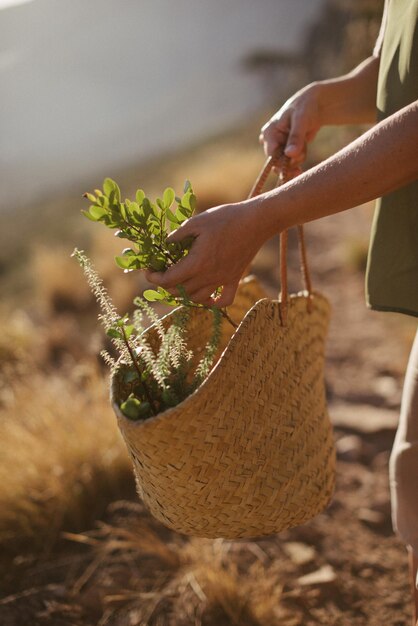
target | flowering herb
[{"x": 153, "y": 378}]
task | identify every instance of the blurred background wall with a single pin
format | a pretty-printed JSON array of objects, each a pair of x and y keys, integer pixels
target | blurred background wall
[{"x": 93, "y": 84}]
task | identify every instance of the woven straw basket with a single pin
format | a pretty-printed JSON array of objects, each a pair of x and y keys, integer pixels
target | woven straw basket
[{"x": 251, "y": 451}]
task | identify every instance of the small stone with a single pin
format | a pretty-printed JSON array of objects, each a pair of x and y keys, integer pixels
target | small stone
[
  {"x": 325, "y": 575},
  {"x": 349, "y": 448},
  {"x": 363, "y": 418},
  {"x": 371, "y": 517},
  {"x": 367, "y": 572},
  {"x": 387, "y": 387},
  {"x": 299, "y": 553}
]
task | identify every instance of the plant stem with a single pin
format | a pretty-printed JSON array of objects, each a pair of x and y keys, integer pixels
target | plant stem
[
  {"x": 166, "y": 253},
  {"x": 226, "y": 315},
  {"x": 147, "y": 392},
  {"x": 159, "y": 247}
]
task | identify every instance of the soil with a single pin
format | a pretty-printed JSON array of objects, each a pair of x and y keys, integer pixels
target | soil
[{"x": 345, "y": 567}]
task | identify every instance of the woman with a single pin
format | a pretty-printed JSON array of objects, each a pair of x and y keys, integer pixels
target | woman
[{"x": 383, "y": 162}]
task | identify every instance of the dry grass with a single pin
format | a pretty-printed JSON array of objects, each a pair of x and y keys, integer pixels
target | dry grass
[
  {"x": 133, "y": 571},
  {"x": 56, "y": 296},
  {"x": 18, "y": 343},
  {"x": 61, "y": 457}
]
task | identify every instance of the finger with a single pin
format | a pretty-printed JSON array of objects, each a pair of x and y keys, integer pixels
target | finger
[
  {"x": 227, "y": 296},
  {"x": 273, "y": 141},
  {"x": 274, "y": 134},
  {"x": 177, "y": 274},
  {"x": 203, "y": 296},
  {"x": 300, "y": 157},
  {"x": 187, "y": 228},
  {"x": 193, "y": 289},
  {"x": 296, "y": 142}
]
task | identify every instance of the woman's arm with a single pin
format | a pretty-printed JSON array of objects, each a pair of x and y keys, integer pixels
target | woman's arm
[
  {"x": 381, "y": 160},
  {"x": 228, "y": 237}
]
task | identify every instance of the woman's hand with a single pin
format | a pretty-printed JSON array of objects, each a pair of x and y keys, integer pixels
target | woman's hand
[
  {"x": 228, "y": 237},
  {"x": 226, "y": 240},
  {"x": 348, "y": 99},
  {"x": 293, "y": 127}
]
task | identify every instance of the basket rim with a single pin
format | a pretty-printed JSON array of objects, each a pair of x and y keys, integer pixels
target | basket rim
[{"x": 136, "y": 424}]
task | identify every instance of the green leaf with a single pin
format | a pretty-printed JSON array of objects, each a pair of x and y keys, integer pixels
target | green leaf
[
  {"x": 169, "y": 398},
  {"x": 129, "y": 376},
  {"x": 192, "y": 202},
  {"x": 89, "y": 216},
  {"x": 167, "y": 297},
  {"x": 122, "y": 321},
  {"x": 111, "y": 190},
  {"x": 134, "y": 210},
  {"x": 129, "y": 330},
  {"x": 145, "y": 410},
  {"x": 157, "y": 263},
  {"x": 147, "y": 208},
  {"x": 131, "y": 262},
  {"x": 97, "y": 212},
  {"x": 112, "y": 199},
  {"x": 140, "y": 195},
  {"x": 139, "y": 219},
  {"x": 172, "y": 218},
  {"x": 123, "y": 210},
  {"x": 131, "y": 408},
  {"x": 109, "y": 185},
  {"x": 124, "y": 262},
  {"x": 168, "y": 197},
  {"x": 102, "y": 201},
  {"x": 155, "y": 212},
  {"x": 152, "y": 220},
  {"x": 153, "y": 296},
  {"x": 181, "y": 214},
  {"x": 171, "y": 301},
  {"x": 112, "y": 223},
  {"x": 188, "y": 203},
  {"x": 114, "y": 333}
]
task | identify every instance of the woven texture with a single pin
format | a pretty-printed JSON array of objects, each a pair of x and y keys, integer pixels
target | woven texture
[{"x": 251, "y": 452}]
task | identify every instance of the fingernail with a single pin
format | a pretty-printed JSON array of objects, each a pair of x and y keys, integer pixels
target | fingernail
[{"x": 290, "y": 148}]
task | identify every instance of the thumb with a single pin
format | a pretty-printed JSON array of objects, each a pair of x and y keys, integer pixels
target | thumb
[
  {"x": 188, "y": 228},
  {"x": 295, "y": 145}
]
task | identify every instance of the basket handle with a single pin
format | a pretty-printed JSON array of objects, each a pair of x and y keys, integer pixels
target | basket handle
[{"x": 281, "y": 162}]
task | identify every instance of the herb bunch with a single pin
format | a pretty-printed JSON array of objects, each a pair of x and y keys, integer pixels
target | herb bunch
[
  {"x": 146, "y": 225},
  {"x": 153, "y": 379}
]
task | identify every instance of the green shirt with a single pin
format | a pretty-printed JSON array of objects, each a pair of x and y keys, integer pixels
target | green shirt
[{"x": 392, "y": 269}]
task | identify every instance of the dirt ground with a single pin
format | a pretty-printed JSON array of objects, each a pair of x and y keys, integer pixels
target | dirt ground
[{"x": 344, "y": 568}]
